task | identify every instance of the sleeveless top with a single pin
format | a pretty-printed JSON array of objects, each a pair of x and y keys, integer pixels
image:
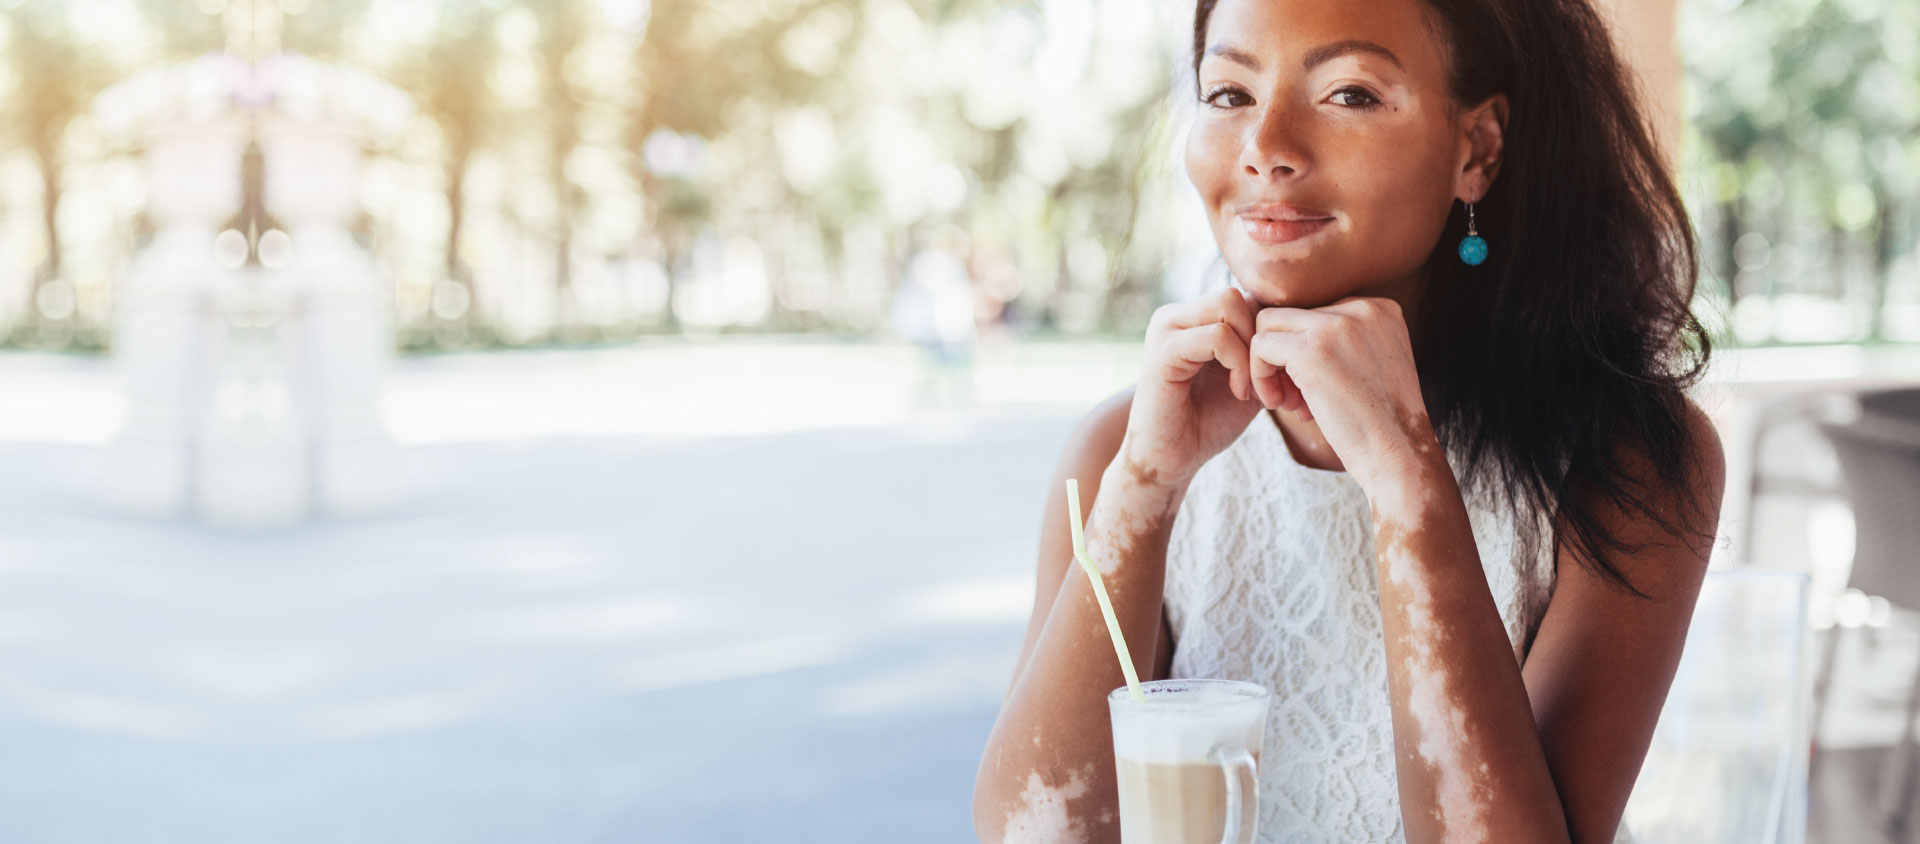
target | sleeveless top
[{"x": 1271, "y": 579}]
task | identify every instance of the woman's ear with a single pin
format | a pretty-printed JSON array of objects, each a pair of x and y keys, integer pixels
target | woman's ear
[{"x": 1482, "y": 132}]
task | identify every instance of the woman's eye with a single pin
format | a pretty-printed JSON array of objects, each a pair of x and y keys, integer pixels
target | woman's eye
[
  {"x": 1224, "y": 97},
  {"x": 1355, "y": 97}
]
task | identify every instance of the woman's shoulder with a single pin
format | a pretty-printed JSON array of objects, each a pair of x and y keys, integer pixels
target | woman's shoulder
[
  {"x": 1662, "y": 497},
  {"x": 1702, "y": 473},
  {"x": 1097, "y": 437},
  {"x": 1703, "y": 459},
  {"x": 1703, "y": 437}
]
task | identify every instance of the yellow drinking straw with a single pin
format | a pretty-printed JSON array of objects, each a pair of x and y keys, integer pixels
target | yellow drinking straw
[{"x": 1100, "y": 590}]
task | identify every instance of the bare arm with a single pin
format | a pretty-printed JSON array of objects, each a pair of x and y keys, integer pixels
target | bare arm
[
  {"x": 1466, "y": 773},
  {"x": 1047, "y": 772},
  {"x": 1089, "y": 451},
  {"x": 1603, "y": 660},
  {"x": 1592, "y": 687},
  {"x": 1085, "y": 458},
  {"x": 1484, "y": 750}
]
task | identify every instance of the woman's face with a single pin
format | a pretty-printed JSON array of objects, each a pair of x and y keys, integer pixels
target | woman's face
[{"x": 1326, "y": 148}]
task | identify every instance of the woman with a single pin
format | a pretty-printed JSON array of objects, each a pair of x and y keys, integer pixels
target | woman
[{"x": 1444, "y": 495}]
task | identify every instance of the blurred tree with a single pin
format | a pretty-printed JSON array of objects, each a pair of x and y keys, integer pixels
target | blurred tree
[
  {"x": 563, "y": 31},
  {"x": 1808, "y": 106},
  {"x": 698, "y": 68},
  {"x": 62, "y": 60},
  {"x": 795, "y": 123},
  {"x": 445, "y": 73},
  {"x": 797, "y": 133}
]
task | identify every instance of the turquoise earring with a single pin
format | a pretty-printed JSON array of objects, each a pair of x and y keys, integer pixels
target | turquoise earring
[{"x": 1473, "y": 250}]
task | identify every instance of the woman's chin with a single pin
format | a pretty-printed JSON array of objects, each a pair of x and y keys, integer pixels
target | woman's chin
[
  {"x": 1269, "y": 292},
  {"x": 1293, "y": 283}
]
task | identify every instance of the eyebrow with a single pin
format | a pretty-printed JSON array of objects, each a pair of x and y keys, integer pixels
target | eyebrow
[
  {"x": 1314, "y": 58},
  {"x": 1235, "y": 55},
  {"x": 1321, "y": 55}
]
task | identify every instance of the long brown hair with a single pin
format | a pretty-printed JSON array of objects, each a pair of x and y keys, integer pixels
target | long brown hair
[{"x": 1575, "y": 341}]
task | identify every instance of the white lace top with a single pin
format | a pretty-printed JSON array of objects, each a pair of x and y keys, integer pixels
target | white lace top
[{"x": 1270, "y": 578}]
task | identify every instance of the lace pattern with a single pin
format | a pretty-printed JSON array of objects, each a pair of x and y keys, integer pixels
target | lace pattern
[{"x": 1270, "y": 578}]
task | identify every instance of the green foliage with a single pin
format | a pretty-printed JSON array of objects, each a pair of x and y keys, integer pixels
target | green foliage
[{"x": 1803, "y": 116}]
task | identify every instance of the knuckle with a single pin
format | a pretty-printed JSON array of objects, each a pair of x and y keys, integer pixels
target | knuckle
[
  {"x": 1235, "y": 306},
  {"x": 1220, "y": 338},
  {"x": 1260, "y": 347},
  {"x": 1160, "y": 319}
]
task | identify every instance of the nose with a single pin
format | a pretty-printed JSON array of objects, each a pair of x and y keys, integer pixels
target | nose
[{"x": 1273, "y": 148}]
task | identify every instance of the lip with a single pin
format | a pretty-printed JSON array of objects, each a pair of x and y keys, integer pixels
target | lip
[{"x": 1279, "y": 222}]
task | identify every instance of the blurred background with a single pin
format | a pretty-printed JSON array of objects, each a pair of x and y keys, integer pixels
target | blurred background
[{"x": 595, "y": 420}]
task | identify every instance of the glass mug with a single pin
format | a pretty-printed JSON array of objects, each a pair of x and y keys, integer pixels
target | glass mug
[{"x": 1188, "y": 761}]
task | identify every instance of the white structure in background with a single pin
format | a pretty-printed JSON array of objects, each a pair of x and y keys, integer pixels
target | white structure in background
[
  {"x": 338, "y": 325},
  {"x": 165, "y": 324},
  {"x": 253, "y": 367}
]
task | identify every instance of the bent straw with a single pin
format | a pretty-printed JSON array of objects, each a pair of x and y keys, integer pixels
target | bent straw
[{"x": 1100, "y": 591}]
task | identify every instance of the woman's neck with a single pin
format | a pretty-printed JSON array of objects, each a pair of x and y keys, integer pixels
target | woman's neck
[
  {"x": 1305, "y": 442},
  {"x": 1302, "y": 435}
]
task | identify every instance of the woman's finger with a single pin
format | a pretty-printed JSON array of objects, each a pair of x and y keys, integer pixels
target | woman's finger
[
  {"x": 1265, "y": 386},
  {"x": 1292, "y": 320},
  {"x": 1228, "y": 306},
  {"x": 1275, "y": 388},
  {"x": 1261, "y": 372},
  {"x": 1365, "y": 306},
  {"x": 1294, "y": 400},
  {"x": 1190, "y": 350},
  {"x": 1269, "y": 355},
  {"x": 1238, "y": 310}
]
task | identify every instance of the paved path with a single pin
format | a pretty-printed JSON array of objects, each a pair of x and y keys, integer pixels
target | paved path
[
  {"x": 766, "y": 628},
  {"x": 798, "y": 637}
]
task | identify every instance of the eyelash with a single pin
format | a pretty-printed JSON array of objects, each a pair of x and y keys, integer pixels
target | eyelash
[
  {"x": 1372, "y": 102},
  {"x": 1214, "y": 93}
]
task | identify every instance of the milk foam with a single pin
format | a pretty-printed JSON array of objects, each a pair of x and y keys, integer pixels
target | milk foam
[
  {"x": 1186, "y": 742},
  {"x": 1184, "y": 727}
]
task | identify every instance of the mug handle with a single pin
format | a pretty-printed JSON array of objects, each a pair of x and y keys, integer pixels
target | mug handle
[{"x": 1237, "y": 765}]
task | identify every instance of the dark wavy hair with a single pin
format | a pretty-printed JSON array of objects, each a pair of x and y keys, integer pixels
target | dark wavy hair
[{"x": 1575, "y": 341}]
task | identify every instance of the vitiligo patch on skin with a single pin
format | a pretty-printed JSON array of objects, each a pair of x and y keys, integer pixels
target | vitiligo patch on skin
[
  {"x": 1441, "y": 743},
  {"x": 1042, "y": 817},
  {"x": 1115, "y": 542}
]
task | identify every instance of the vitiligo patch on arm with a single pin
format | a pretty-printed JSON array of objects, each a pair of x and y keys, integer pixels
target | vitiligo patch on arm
[
  {"x": 1433, "y": 690},
  {"x": 1042, "y": 816}
]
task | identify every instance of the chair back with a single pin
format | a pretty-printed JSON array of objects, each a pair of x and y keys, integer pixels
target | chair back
[
  {"x": 1879, "y": 456},
  {"x": 1728, "y": 762}
]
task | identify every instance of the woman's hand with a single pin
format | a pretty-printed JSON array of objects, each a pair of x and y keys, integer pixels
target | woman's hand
[
  {"x": 1348, "y": 365},
  {"x": 1195, "y": 394}
]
